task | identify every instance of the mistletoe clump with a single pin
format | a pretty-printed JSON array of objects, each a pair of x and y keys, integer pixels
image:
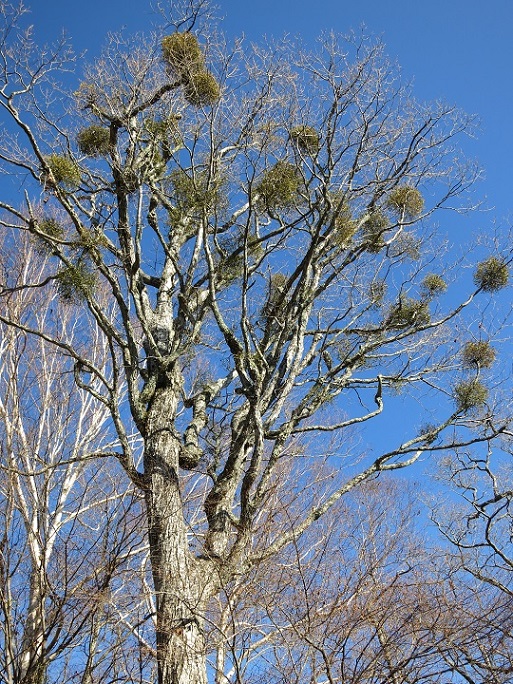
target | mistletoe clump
[
  {"x": 306, "y": 138},
  {"x": 51, "y": 227},
  {"x": 237, "y": 252},
  {"x": 470, "y": 395},
  {"x": 491, "y": 275},
  {"x": 93, "y": 141},
  {"x": 163, "y": 129},
  {"x": 76, "y": 282},
  {"x": 406, "y": 199},
  {"x": 433, "y": 285},
  {"x": 408, "y": 312},
  {"x": 373, "y": 235},
  {"x": 279, "y": 187},
  {"x": 342, "y": 224},
  {"x": 182, "y": 52},
  {"x": 480, "y": 354},
  {"x": 201, "y": 89},
  {"x": 196, "y": 193},
  {"x": 64, "y": 170}
]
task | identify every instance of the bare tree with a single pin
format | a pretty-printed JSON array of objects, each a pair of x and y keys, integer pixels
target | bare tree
[
  {"x": 359, "y": 599},
  {"x": 68, "y": 528},
  {"x": 366, "y": 600},
  {"x": 250, "y": 234},
  {"x": 477, "y": 524}
]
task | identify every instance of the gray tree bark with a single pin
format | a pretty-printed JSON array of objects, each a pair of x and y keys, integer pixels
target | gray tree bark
[{"x": 183, "y": 583}]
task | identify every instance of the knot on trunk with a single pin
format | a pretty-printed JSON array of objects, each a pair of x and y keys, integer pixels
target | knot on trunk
[
  {"x": 217, "y": 535},
  {"x": 190, "y": 456}
]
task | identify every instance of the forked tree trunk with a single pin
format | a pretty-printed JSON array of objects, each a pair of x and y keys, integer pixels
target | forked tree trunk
[{"x": 182, "y": 582}]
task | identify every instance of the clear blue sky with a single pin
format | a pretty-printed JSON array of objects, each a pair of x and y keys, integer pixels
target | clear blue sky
[{"x": 460, "y": 51}]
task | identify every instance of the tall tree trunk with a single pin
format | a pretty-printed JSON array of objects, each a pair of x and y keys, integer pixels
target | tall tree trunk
[
  {"x": 34, "y": 663},
  {"x": 182, "y": 582}
]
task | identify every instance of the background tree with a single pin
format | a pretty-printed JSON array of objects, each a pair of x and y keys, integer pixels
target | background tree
[
  {"x": 346, "y": 603},
  {"x": 69, "y": 530},
  {"x": 249, "y": 233},
  {"x": 362, "y": 598},
  {"x": 477, "y": 524}
]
